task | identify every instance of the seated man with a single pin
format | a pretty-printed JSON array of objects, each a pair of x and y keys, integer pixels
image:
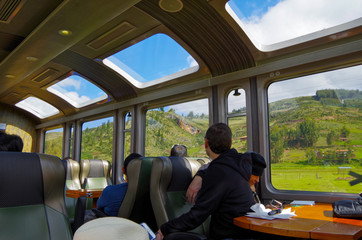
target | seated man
[
  {"x": 112, "y": 196},
  {"x": 225, "y": 192},
  {"x": 178, "y": 150},
  {"x": 258, "y": 165},
  {"x": 10, "y": 143}
]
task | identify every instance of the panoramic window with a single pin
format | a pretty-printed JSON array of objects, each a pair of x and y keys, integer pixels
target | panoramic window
[
  {"x": 38, "y": 107},
  {"x": 127, "y": 135},
  {"x": 184, "y": 123},
  {"x": 78, "y": 91},
  {"x": 273, "y": 21},
  {"x": 53, "y": 143},
  {"x": 236, "y": 119},
  {"x": 97, "y": 139},
  {"x": 315, "y": 129},
  {"x": 156, "y": 59}
]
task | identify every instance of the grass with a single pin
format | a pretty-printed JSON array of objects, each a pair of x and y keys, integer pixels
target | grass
[{"x": 314, "y": 178}]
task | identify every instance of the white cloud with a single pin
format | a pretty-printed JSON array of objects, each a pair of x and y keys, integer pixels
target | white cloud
[
  {"x": 197, "y": 107},
  {"x": 347, "y": 78},
  {"x": 191, "y": 61},
  {"x": 292, "y": 18},
  {"x": 74, "y": 96},
  {"x": 69, "y": 82}
]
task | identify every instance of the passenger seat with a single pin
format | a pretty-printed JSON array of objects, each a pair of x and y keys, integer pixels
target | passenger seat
[
  {"x": 73, "y": 183},
  {"x": 170, "y": 178},
  {"x": 32, "y": 197},
  {"x": 136, "y": 204},
  {"x": 95, "y": 173}
]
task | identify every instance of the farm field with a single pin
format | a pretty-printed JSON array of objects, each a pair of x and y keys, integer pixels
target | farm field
[{"x": 314, "y": 178}]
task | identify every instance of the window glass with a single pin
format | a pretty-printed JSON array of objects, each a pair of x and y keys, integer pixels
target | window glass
[
  {"x": 236, "y": 118},
  {"x": 53, "y": 143},
  {"x": 184, "y": 123},
  {"x": 97, "y": 139},
  {"x": 273, "y": 21},
  {"x": 71, "y": 141},
  {"x": 38, "y": 107},
  {"x": 158, "y": 57},
  {"x": 315, "y": 130},
  {"x": 127, "y": 134},
  {"x": 78, "y": 91}
]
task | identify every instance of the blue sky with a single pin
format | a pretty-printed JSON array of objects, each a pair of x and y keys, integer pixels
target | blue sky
[
  {"x": 77, "y": 90},
  {"x": 153, "y": 58},
  {"x": 249, "y": 9}
]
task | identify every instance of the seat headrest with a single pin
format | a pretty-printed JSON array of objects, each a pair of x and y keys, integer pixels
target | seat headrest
[{"x": 181, "y": 174}]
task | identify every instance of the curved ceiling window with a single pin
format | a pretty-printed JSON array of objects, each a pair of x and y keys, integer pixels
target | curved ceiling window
[
  {"x": 38, "y": 107},
  {"x": 78, "y": 91},
  {"x": 154, "y": 60},
  {"x": 269, "y": 23}
]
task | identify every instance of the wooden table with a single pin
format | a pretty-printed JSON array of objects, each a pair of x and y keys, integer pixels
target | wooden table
[
  {"x": 315, "y": 222},
  {"x": 88, "y": 193}
]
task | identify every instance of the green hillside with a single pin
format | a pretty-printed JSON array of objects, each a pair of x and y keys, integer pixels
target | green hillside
[
  {"x": 318, "y": 123},
  {"x": 316, "y": 141},
  {"x": 53, "y": 143},
  {"x": 164, "y": 129}
]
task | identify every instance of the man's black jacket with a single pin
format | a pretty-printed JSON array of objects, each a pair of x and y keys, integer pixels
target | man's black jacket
[{"x": 225, "y": 194}]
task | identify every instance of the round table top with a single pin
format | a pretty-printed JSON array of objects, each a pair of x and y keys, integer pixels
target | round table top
[{"x": 111, "y": 228}]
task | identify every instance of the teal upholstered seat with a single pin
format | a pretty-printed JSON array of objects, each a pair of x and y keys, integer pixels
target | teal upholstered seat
[
  {"x": 95, "y": 173},
  {"x": 72, "y": 183},
  {"x": 170, "y": 178},
  {"x": 32, "y": 197},
  {"x": 136, "y": 204}
]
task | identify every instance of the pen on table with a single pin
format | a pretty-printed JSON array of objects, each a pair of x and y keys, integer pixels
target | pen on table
[{"x": 256, "y": 197}]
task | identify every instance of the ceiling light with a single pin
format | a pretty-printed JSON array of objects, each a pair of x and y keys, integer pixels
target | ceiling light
[
  {"x": 65, "y": 32},
  {"x": 171, "y": 5},
  {"x": 31, "y": 59},
  {"x": 9, "y": 76}
]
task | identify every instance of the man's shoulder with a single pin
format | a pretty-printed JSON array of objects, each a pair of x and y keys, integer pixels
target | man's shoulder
[{"x": 115, "y": 187}]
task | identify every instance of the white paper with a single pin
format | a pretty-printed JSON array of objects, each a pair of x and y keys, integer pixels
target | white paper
[
  {"x": 297, "y": 202},
  {"x": 261, "y": 212}
]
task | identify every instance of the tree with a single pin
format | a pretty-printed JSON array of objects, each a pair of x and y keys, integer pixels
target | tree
[
  {"x": 332, "y": 136},
  {"x": 311, "y": 156},
  {"x": 190, "y": 115},
  {"x": 344, "y": 132},
  {"x": 276, "y": 144},
  {"x": 309, "y": 132}
]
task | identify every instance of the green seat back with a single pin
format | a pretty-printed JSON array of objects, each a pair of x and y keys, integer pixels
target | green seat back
[{"x": 32, "y": 197}]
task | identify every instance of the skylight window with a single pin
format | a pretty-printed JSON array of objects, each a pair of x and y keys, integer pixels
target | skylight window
[
  {"x": 38, "y": 107},
  {"x": 78, "y": 91},
  {"x": 154, "y": 60},
  {"x": 271, "y": 22}
]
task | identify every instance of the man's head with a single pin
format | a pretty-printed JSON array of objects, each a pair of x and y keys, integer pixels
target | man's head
[
  {"x": 128, "y": 160},
  {"x": 11, "y": 143},
  {"x": 218, "y": 138},
  {"x": 178, "y": 151},
  {"x": 258, "y": 166}
]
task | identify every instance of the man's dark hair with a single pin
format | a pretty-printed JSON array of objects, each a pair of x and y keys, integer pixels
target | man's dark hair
[
  {"x": 178, "y": 151},
  {"x": 11, "y": 143},
  {"x": 129, "y": 158},
  {"x": 219, "y": 137}
]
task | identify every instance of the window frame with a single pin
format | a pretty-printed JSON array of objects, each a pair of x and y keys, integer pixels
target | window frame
[{"x": 267, "y": 190}]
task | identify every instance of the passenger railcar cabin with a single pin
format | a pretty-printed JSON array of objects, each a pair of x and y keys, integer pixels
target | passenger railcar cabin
[{"x": 98, "y": 80}]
